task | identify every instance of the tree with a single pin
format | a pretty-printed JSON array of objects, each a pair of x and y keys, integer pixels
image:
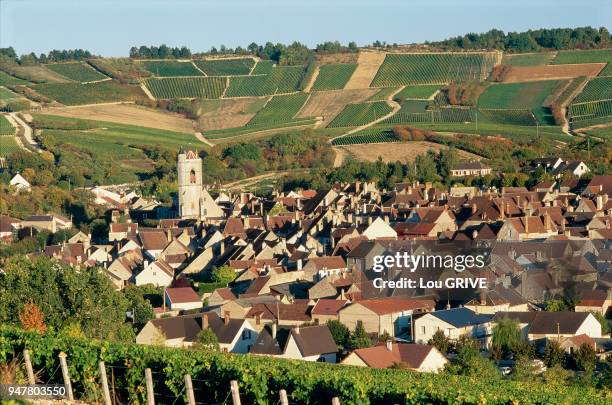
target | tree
[
  {"x": 223, "y": 274},
  {"x": 585, "y": 358},
  {"x": 207, "y": 340},
  {"x": 553, "y": 354},
  {"x": 359, "y": 338},
  {"x": 606, "y": 325},
  {"x": 555, "y": 305},
  {"x": 440, "y": 341},
  {"x": 31, "y": 317},
  {"x": 506, "y": 335},
  {"x": 339, "y": 332}
]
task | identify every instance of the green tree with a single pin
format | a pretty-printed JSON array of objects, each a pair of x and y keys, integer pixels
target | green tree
[
  {"x": 553, "y": 354},
  {"x": 359, "y": 338},
  {"x": 339, "y": 332},
  {"x": 555, "y": 305},
  {"x": 606, "y": 325},
  {"x": 223, "y": 274},
  {"x": 585, "y": 358},
  {"x": 506, "y": 335},
  {"x": 207, "y": 340},
  {"x": 440, "y": 341}
]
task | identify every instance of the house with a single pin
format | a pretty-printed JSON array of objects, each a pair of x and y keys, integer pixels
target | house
[
  {"x": 391, "y": 316},
  {"x": 416, "y": 357},
  {"x": 379, "y": 229},
  {"x": 123, "y": 268},
  {"x": 51, "y": 222},
  {"x": 318, "y": 268},
  {"x": 20, "y": 183},
  {"x": 119, "y": 231},
  {"x": 544, "y": 325},
  {"x": 594, "y": 301},
  {"x": 326, "y": 310},
  {"x": 8, "y": 227},
  {"x": 470, "y": 169},
  {"x": 159, "y": 273},
  {"x": 574, "y": 167},
  {"x": 182, "y": 298},
  {"x": 234, "y": 335},
  {"x": 310, "y": 343},
  {"x": 497, "y": 299},
  {"x": 454, "y": 323},
  {"x": 573, "y": 343}
]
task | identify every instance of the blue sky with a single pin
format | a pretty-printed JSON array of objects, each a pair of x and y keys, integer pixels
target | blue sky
[{"x": 110, "y": 27}]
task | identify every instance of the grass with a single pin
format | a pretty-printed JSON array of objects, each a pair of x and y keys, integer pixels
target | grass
[
  {"x": 416, "y": 92},
  {"x": 77, "y": 71},
  {"x": 186, "y": 87},
  {"x": 360, "y": 114},
  {"x": 8, "y": 145},
  {"x": 91, "y": 93},
  {"x": 587, "y": 56},
  {"x": 169, "y": 68},
  {"x": 283, "y": 79},
  {"x": 6, "y": 94},
  {"x": 333, "y": 77},
  {"x": 604, "y": 133},
  {"x": 528, "y": 59},
  {"x": 530, "y": 95},
  {"x": 243, "y": 132},
  {"x": 279, "y": 109},
  {"x": 226, "y": 67},
  {"x": 8, "y": 80},
  {"x": 6, "y": 128},
  {"x": 383, "y": 94}
]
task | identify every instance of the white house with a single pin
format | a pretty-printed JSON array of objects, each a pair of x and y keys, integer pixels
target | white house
[
  {"x": 555, "y": 325},
  {"x": 20, "y": 183},
  {"x": 416, "y": 357},
  {"x": 379, "y": 229},
  {"x": 454, "y": 323},
  {"x": 310, "y": 343},
  {"x": 182, "y": 298},
  {"x": 159, "y": 273}
]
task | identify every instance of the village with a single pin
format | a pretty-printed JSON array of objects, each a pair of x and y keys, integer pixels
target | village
[{"x": 280, "y": 276}]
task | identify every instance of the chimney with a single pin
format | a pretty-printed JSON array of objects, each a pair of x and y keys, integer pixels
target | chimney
[
  {"x": 502, "y": 209},
  {"x": 297, "y": 330},
  {"x": 547, "y": 222},
  {"x": 221, "y": 248},
  {"x": 386, "y": 218},
  {"x": 604, "y": 198},
  {"x": 474, "y": 208},
  {"x": 389, "y": 343},
  {"x": 226, "y": 317},
  {"x": 273, "y": 330},
  {"x": 169, "y": 235},
  {"x": 204, "y": 321},
  {"x": 526, "y": 224},
  {"x": 299, "y": 264},
  {"x": 246, "y": 222},
  {"x": 342, "y": 296},
  {"x": 599, "y": 202}
]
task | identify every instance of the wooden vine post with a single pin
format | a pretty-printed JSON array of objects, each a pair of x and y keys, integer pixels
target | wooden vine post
[
  {"x": 149, "y": 383},
  {"x": 28, "y": 364},
  {"x": 235, "y": 392},
  {"x": 103, "y": 378},
  {"x": 66, "y": 375}
]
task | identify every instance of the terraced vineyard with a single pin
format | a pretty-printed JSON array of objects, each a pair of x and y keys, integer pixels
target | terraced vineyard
[
  {"x": 383, "y": 94},
  {"x": 528, "y": 59},
  {"x": 374, "y": 137},
  {"x": 8, "y": 145},
  {"x": 77, "y": 71},
  {"x": 598, "y": 88},
  {"x": 91, "y": 93},
  {"x": 283, "y": 79},
  {"x": 587, "y": 56},
  {"x": 333, "y": 77},
  {"x": 8, "y": 80},
  {"x": 6, "y": 94},
  {"x": 565, "y": 97},
  {"x": 360, "y": 114},
  {"x": 279, "y": 109},
  {"x": 168, "y": 68},
  {"x": 6, "y": 128},
  {"x": 434, "y": 68},
  {"x": 226, "y": 67},
  {"x": 590, "y": 113},
  {"x": 186, "y": 87},
  {"x": 263, "y": 67},
  {"x": 416, "y": 92}
]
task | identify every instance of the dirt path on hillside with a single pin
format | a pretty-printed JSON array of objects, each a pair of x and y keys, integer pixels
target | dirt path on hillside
[
  {"x": 404, "y": 152},
  {"x": 202, "y": 139},
  {"x": 24, "y": 131},
  {"x": 368, "y": 63},
  {"x": 241, "y": 184},
  {"x": 313, "y": 78},
  {"x": 341, "y": 154}
]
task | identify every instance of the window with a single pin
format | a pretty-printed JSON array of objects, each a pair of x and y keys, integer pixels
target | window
[
  {"x": 423, "y": 330},
  {"x": 192, "y": 177},
  {"x": 246, "y": 334},
  {"x": 321, "y": 359}
]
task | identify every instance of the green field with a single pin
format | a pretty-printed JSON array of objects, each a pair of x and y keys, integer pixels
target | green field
[
  {"x": 91, "y": 93},
  {"x": 564, "y": 97},
  {"x": 604, "y": 133},
  {"x": 279, "y": 109},
  {"x": 516, "y": 96},
  {"x": 283, "y": 79},
  {"x": 5, "y": 126},
  {"x": 440, "y": 68},
  {"x": 528, "y": 59},
  {"x": 169, "y": 68},
  {"x": 8, "y": 145},
  {"x": 217, "y": 134},
  {"x": 374, "y": 136},
  {"x": 383, "y": 94},
  {"x": 8, "y": 80},
  {"x": 6, "y": 94},
  {"x": 263, "y": 67},
  {"x": 360, "y": 114},
  {"x": 598, "y": 88},
  {"x": 587, "y": 56},
  {"x": 186, "y": 87},
  {"x": 333, "y": 77},
  {"x": 226, "y": 67},
  {"x": 77, "y": 71},
  {"x": 416, "y": 92},
  {"x": 590, "y": 113},
  {"x": 438, "y": 115}
]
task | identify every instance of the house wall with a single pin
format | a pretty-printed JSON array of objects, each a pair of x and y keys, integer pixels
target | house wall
[
  {"x": 185, "y": 305},
  {"x": 434, "y": 362},
  {"x": 590, "y": 327},
  {"x": 350, "y": 314},
  {"x": 293, "y": 352},
  {"x": 242, "y": 344},
  {"x": 354, "y": 360},
  {"x": 433, "y": 324},
  {"x": 322, "y": 319},
  {"x": 155, "y": 276}
]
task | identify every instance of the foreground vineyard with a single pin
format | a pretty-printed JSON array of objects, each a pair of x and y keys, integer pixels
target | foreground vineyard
[
  {"x": 260, "y": 378},
  {"x": 187, "y": 87}
]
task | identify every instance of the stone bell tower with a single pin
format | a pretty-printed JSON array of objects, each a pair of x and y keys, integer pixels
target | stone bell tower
[{"x": 189, "y": 169}]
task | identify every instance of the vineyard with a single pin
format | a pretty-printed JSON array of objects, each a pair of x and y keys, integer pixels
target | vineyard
[
  {"x": 586, "y": 56},
  {"x": 6, "y": 94},
  {"x": 438, "y": 68},
  {"x": 374, "y": 137},
  {"x": 360, "y": 114},
  {"x": 263, "y": 67},
  {"x": 8, "y": 145},
  {"x": 528, "y": 59},
  {"x": 333, "y": 77},
  {"x": 416, "y": 92},
  {"x": 226, "y": 133},
  {"x": 91, "y": 93},
  {"x": 590, "y": 113},
  {"x": 599, "y": 88},
  {"x": 8, "y": 80},
  {"x": 261, "y": 378},
  {"x": 284, "y": 79},
  {"x": 186, "y": 87},
  {"x": 6, "y": 128},
  {"x": 566, "y": 96},
  {"x": 279, "y": 109},
  {"x": 383, "y": 94},
  {"x": 226, "y": 67},
  {"x": 77, "y": 71},
  {"x": 168, "y": 68}
]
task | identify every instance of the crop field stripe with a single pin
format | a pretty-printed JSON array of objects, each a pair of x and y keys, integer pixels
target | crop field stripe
[
  {"x": 283, "y": 79},
  {"x": 187, "y": 87},
  {"x": 598, "y": 88},
  {"x": 77, "y": 71},
  {"x": 90, "y": 93},
  {"x": 6, "y": 128},
  {"x": 360, "y": 114},
  {"x": 333, "y": 77},
  {"x": 226, "y": 67},
  {"x": 279, "y": 109},
  {"x": 170, "y": 68}
]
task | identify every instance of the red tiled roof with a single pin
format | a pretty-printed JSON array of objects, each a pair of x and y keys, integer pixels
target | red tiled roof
[
  {"x": 328, "y": 307},
  {"x": 388, "y": 306},
  {"x": 182, "y": 295},
  {"x": 412, "y": 355}
]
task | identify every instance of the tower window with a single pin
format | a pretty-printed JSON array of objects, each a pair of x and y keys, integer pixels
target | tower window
[{"x": 192, "y": 177}]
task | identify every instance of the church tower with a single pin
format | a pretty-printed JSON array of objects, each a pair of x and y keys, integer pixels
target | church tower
[{"x": 189, "y": 169}]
